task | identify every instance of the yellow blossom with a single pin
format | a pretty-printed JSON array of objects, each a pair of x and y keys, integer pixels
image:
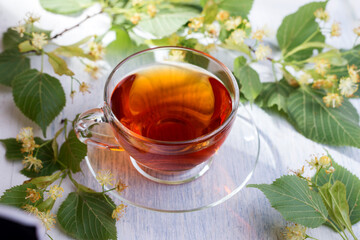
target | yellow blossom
[
  {"x": 151, "y": 10},
  {"x": 314, "y": 163},
  {"x": 32, "y": 162},
  {"x": 246, "y": 23},
  {"x": 324, "y": 161},
  {"x": 20, "y": 29},
  {"x": 333, "y": 100},
  {"x": 237, "y": 37},
  {"x": 330, "y": 170},
  {"x": 357, "y": 31},
  {"x": 262, "y": 52},
  {"x": 135, "y": 19},
  {"x": 233, "y": 23},
  {"x": 93, "y": 70},
  {"x": 119, "y": 212},
  {"x": 335, "y": 30},
  {"x": 39, "y": 40},
  {"x": 305, "y": 79},
  {"x": 259, "y": 34},
  {"x": 177, "y": 55},
  {"x": 30, "y": 209},
  {"x": 347, "y": 87},
  {"x": 105, "y": 177},
  {"x": 84, "y": 87},
  {"x": 31, "y": 18},
  {"x": 25, "y": 134},
  {"x": 96, "y": 50},
  {"x": 322, "y": 14},
  {"x": 299, "y": 172},
  {"x": 213, "y": 30},
  {"x": 222, "y": 15},
  {"x": 196, "y": 23},
  {"x": 47, "y": 218},
  {"x": 32, "y": 195},
  {"x": 325, "y": 83},
  {"x": 294, "y": 232},
  {"x": 120, "y": 186},
  {"x": 321, "y": 66},
  {"x": 353, "y": 73},
  {"x": 56, "y": 192}
]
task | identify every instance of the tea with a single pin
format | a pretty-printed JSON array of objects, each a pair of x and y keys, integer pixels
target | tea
[{"x": 171, "y": 103}]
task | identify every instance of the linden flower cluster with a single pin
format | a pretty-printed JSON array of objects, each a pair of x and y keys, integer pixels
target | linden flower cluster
[
  {"x": 294, "y": 231},
  {"x": 323, "y": 16},
  {"x": 106, "y": 178},
  {"x": 47, "y": 218},
  {"x": 142, "y": 9}
]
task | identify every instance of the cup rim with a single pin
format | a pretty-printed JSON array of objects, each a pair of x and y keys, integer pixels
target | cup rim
[{"x": 155, "y": 141}]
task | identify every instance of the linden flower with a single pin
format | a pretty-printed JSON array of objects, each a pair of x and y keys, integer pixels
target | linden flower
[
  {"x": 56, "y": 192},
  {"x": 262, "y": 52},
  {"x": 196, "y": 23},
  {"x": 93, "y": 70},
  {"x": 25, "y": 134},
  {"x": 233, "y": 23},
  {"x": 353, "y": 73},
  {"x": 151, "y": 10},
  {"x": 96, "y": 50},
  {"x": 335, "y": 30},
  {"x": 222, "y": 15},
  {"x": 84, "y": 87},
  {"x": 330, "y": 170},
  {"x": 237, "y": 37},
  {"x": 32, "y": 195},
  {"x": 32, "y": 162},
  {"x": 324, "y": 161},
  {"x": 299, "y": 172},
  {"x": 333, "y": 100},
  {"x": 305, "y": 79},
  {"x": 105, "y": 177},
  {"x": 347, "y": 87},
  {"x": 321, "y": 66},
  {"x": 213, "y": 30},
  {"x": 120, "y": 186},
  {"x": 295, "y": 232},
  {"x": 357, "y": 31},
  {"x": 39, "y": 40},
  {"x": 31, "y": 18},
  {"x": 119, "y": 212},
  {"x": 30, "y": 209},
  {"x": 322, "y": 14},
  {"x": 259, "y": 34},
  {"x": 135, "y": 19},
  {"x": 47, "y": 218},
  {"x": 19, "y": 29}
]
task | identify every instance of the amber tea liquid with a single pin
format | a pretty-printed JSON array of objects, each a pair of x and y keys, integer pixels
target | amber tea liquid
[{"x": 172, "y": 103}]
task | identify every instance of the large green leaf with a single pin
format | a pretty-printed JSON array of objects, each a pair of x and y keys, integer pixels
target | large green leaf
[
  {"x": 12, "y": 63},
  {"x": 59, "y": 65},
  {"x": 237, "y": 7},
  {"x": 352, "y": 184},
  {"x": 335, "y": 126},
  {"x": 292, "y": 197},
  {"x": 274, "y": 94},
  {"x": 121, "y": 48},
  {"x": 39, "y": 96},
  {"x": 167, "y": 22},
  {"x": 247, "y": 78},
  {"x": 86, "y": 215},
  {"x": 46, "y": 155},
  {"x": 11, "y": 39},
  {"x": 13, "y": 149},
  {"x": 298, "y": 28},
  {"x": 72, "y": 152},
  {"x": 66, "y": 6},
  {"x": 15, "y": 196}
]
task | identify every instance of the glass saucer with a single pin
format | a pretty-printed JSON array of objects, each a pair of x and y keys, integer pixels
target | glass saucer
[{"x": 232, "y": 167}]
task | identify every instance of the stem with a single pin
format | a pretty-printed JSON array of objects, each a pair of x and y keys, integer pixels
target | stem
[
  {"x": 109, "y": 190},
  {"x": 37, "y": 150},
  {"x": 274, "y": 71},
  {"x": 307, "y": 236},
  {"x": 103, "y": 193},
  {"x": 42, "y": 62},
  {"x": 77, "y": 25},
  {"x": 49, "y": 236},
  {"x": 317, "y": 174}
]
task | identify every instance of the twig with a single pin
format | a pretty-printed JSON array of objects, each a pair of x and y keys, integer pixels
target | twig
[{"x": 77, "y": 25}]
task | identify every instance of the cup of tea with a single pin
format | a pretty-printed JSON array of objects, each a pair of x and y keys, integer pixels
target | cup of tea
[{"x": 169, "y": 108}]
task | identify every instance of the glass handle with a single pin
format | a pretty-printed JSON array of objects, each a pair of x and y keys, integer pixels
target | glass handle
[{"x": 92, "y": 128}]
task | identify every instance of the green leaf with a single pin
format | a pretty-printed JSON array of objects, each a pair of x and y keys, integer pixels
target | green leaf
[
  {"x": 15, "y": 196},
  {"x": 334, "y": 57},
  {"x": 13, "y": 149},
  {"x": 43, "y": 182},
  {"x": 121, "y": 48},
  {"x": 26, "y": 46},
  {"x": 86, "y": 215},
  {"x": 46, "y": 155},
  {"x": 247, "y": 78},
  {"x": 11, "y": 39},
  {"x": 72, "y": 51},
  {"x": 39, "y": 96},
  {"x": 335, "y": 126},
  {"x": 12, "y": 63},
  {"x": 352, "y": 184},
  {"x": 237, "y": 7},
  {"x": 59, "y": 65},
  {"x": 66, "y": 6},
  {"x": 274, "y": 94},
  {"x": 292, "y": 197},
  {"x": 168, "y": 21},
  {"x": 298, "y": 28},
  {"x": 210, "y": 11},
  {"x": 72, "y": 152}
]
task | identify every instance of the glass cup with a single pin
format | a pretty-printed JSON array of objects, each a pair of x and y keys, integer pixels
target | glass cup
[{"x": 169, "y": 162}]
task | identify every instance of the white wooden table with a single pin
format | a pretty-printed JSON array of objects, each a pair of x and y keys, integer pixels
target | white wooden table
[{"x": 248, "y": 215}]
